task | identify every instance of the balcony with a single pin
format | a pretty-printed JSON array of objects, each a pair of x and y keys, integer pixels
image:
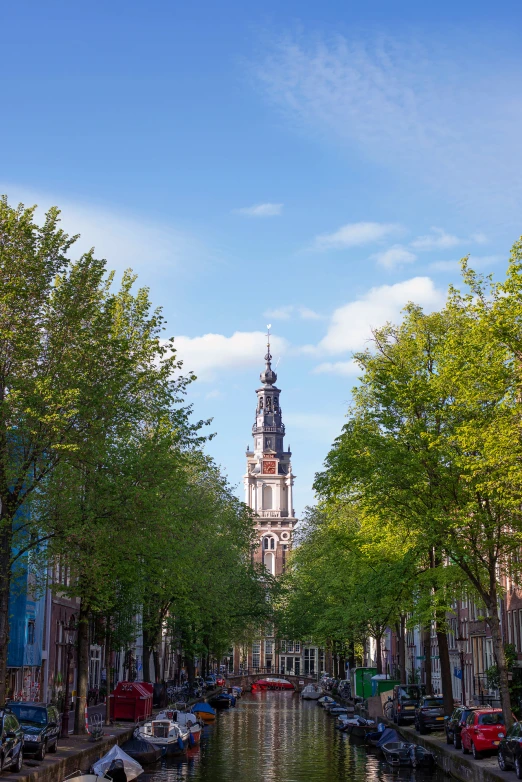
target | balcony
[{"x": 272, "y": 514}]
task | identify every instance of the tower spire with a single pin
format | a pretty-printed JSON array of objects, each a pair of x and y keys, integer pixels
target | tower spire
[{"x": 268, "y": 377}]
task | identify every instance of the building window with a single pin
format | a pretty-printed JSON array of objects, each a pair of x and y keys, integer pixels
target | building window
[
  {"x": 269, "y": 647},
  {"x": 290, "y": 646},
  {"x": 30, "y": 631},
  {"x": 283, "y": 646},
  {"x": 509, "y": 628},
  {"x": 297, "y": 647},
  {"x": 256, "y": 654},
  {"x": 269, "y": 563},
  {"x": 267, "y": 498}
]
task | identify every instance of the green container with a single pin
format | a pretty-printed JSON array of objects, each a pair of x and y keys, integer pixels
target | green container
[
  {"x": 383, "y": 685},
  {"x": 361, "y": 679}
]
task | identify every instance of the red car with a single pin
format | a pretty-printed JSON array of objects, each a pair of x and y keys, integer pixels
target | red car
[
  {"x": 220, "y": 681},
  {"x": 483, "y": 731}
]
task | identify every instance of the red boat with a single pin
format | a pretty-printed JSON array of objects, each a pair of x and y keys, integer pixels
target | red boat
[{"x": 272, "y": 683}]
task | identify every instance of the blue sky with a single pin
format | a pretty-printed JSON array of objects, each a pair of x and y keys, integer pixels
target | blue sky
[{"x": 312, "y": 165}]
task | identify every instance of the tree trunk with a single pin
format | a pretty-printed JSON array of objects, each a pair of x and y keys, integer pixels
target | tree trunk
[
  {"x": 402, "y": 650},
  {"x": 378, "y": 652},
  {"x": 5, "y": 588},
  {"x": 500, "y": 659},
  {"x": 351, "y": 654},
  {"x": 82, "y": 676},
  {"x": 157, "y": 667},
  {"x": 445, "y": 671},
  {"x": 426, "y": 639},
  {"x": 190, "y": 668}
]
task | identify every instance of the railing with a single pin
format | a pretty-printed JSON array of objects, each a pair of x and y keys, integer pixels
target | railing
[
  {"x": 272, "y": 514},
  {"x": 275, "y": 429},
  {"x": 272, "y": 671}
]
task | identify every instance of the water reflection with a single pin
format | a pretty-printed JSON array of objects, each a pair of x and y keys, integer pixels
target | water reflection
[{"x": 276, "y": 737}]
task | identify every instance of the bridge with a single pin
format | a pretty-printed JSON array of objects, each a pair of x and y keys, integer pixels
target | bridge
[{"x": 247, "y": 678}]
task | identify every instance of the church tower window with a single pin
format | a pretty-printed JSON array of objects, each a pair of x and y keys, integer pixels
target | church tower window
[{"x": 267, "y": 498}]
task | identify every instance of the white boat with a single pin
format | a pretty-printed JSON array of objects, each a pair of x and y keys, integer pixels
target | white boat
[
  {"x": 115, "y": 758},
  {"x": 312, "y": 692},
  {"x": 325, "y": 700},
  {"x": 188, "y": 721},
  {"x": 164, "y": 732}
]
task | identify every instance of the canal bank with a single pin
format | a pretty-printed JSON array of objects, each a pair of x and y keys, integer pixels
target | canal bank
[
  {"x": 452, "y": 761},
  {"x": 78, "y": 753}
]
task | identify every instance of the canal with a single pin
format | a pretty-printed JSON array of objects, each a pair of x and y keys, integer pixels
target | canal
[{"x": 276, "y": 737}]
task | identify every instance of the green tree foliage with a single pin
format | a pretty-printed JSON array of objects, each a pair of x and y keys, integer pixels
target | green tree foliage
[
  {"x": 432, "y": 445},
  {"x": 101, "y": 464}
]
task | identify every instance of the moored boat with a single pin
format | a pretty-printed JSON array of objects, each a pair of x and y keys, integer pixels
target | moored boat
[
  {"x": 143, "y": 751},
  {"x": 272, "y": 683},
  {"x": 221, "y": 701},
  {"x": 397, "y": 753},
  {"x": 186, "y": 719},
  {"x": 204, "y": 712},
  {"x": 114, "y": 762},
  {"x": 325, "y": 700},
  {"x": 164, "y": 732},
  {"x": 312, "y": 692}
]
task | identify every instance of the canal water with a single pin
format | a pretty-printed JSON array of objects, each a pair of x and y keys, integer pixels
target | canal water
[{"x": 277, "y": 737}]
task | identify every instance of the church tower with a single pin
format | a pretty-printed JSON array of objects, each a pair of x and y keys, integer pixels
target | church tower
[{"x": 269, "y": 480}]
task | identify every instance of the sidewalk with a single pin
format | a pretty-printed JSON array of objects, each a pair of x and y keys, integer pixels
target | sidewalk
[
  {"x": 452, "y": 761},
  {"x": 75, "y": 752}
]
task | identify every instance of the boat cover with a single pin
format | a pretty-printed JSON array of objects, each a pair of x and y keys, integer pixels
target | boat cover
[
  {"x": 204, "y": 707},
  {"x": 388, "y": 735},
  {"x": 132, "y": 767}
]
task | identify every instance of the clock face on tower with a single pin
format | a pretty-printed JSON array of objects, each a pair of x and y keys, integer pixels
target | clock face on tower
[{"x": 269, "y": 467}]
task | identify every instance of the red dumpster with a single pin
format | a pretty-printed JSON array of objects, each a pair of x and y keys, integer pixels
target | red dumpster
[{"x": 131, "y": 701}]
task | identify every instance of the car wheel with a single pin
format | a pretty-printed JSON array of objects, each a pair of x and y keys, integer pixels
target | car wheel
[
  {"x": 17, "y": 766},
  {"x": 456, "y": 741},
  {"x": 501, "y": 761},
  {"x": 518, "y": 768},
  {"x": 40, "y": 755},
  {"x": 54, "y": 747},
  {"x": 476, "y": 754}
]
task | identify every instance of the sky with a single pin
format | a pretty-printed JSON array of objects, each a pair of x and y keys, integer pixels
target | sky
[{"x": 314, "y": 166}]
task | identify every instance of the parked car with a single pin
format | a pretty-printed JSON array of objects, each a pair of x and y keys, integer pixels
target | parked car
[
  {"x": 210, "y": 682},
  {"x": 220, "y": 681},
  {"x": 41, "y": 727},
  {"x": 483, "y": 731},
  {"x": 454, "y": 724},
  {"x": 429, "y": 714},
  {"x": 11, "y": 741},
  {"x": 510, "y": 750},
  {"x": 404, "y": 701}
]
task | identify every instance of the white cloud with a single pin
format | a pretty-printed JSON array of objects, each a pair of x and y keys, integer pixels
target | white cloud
[
  {"x": 280, "y": 313},
  {"x": 214, "y": 394},
  {"x": 407, "y": 102},
  {"x": 320, "y": 427},
  {"x": 475, "y": 262},
  {"x": 479, "y": 238},
  {"x": 343, "y": 368},
  {"x": 307, "y": 314},
  {"x": 260, "y": 210},
  {"x": 354, "y": 235},
  {"x": 437, "y": 240},
  {"x": 350, "y": 325},
  {"x": 211, "y": 354},
  {"x": 288, "y": 311},
  {"x": 125, "y": 240},
  {"x": 393, "y": 257}
]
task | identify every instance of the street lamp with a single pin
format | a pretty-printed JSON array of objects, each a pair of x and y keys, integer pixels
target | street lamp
[
  {"x": 69, "y": 632},
  {"x": 461, "y": 644}
]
